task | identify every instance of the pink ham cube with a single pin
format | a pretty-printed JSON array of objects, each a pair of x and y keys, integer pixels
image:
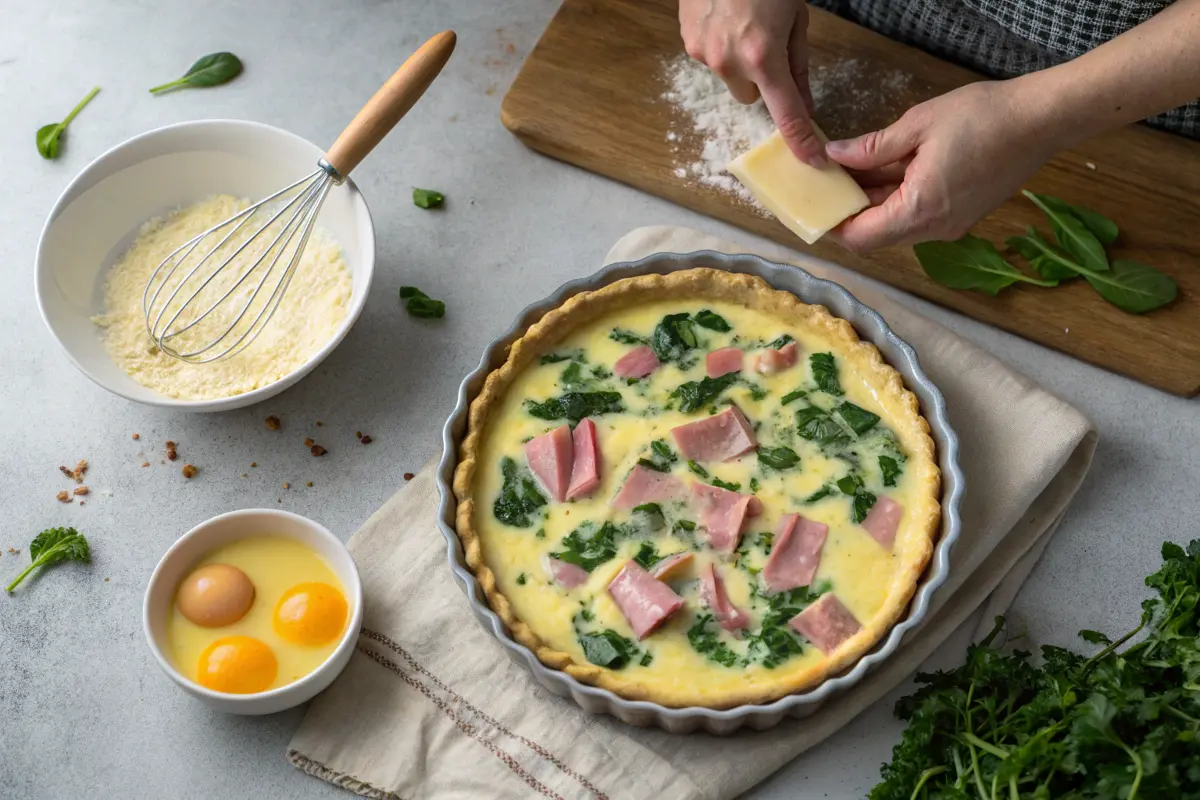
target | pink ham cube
[
  {"x": 721, "y": 437},
  {"x": 585, "y": 471},
  {"x": 723, "y": 361},
  {"x": 648, "y": 486},
  {"x": 826, "y": 623},
  {"x": 637, "y": 363},
  {"x": 551, "y": 456},
  {"x": 795, "y": 553},
  {"x": 882, "y": 521},
  {"x": 712, "y": 594},
  {"x": 722, "y": 513},
  {"x": 645, "y": 601}
]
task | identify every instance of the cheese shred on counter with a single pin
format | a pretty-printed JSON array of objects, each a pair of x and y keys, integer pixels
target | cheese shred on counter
[{"x": 315, "y": 304}]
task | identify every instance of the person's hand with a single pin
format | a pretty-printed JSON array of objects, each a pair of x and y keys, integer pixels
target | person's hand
[
  {"x": 759, "y": 48},
  {"x": 945, "y": 164}
]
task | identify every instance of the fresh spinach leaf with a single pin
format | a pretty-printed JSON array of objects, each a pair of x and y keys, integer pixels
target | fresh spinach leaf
[
  {"x": 704, "y": 640},
  {"x": 607, "y": 648},
  {"x": 49, "y": 137},
  {"x": 419, "y": 304},
  {"x": 857, "y": 419},
  {"x": 891, "y": 470},
  {"x": 694, "y": 395},
  {"x": 627, "y": 337},
  {"x": 1046, "y": 259},
  {"x": 778, "y": 457},
  {"x": 427, "y": 198},
  {"x": 213, "y": 69},
  {"x": 588, "y": 548},
  {"x": 53, "y": 546},
  {"x": 574, "y": 406},
  {"x": 712, "y": 320},
  {"x": 673, "y": 338},
  {"x": 1101, "y": 226},
  {"x": 1133, "y": 287},
  {"x": 519, "y": 496},
  {"x": 970, "y": 263},
  {"x": 1072, "y": 234},
  {"x": 824, "y": 371}
]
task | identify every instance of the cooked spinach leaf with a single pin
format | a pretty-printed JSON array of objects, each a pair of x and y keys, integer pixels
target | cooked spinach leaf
[
  {"x": 792, "y": 397},
  {"x": 647, "y": 657},
  {"x": 720, "y": 484},
  {"x": 574, "y": 406},
  {"x": 820, "y": 494},
  {"x": 780, "y": 342},
  {"x": 858, "y": 419},
  {"x": 607, "y": 648},
  {"x": 697, "y": 470},
  {"x": 754, "y": 486},
  {"x": 649, "y": 517},
  {"x": 712, "y": 320},
  {"x": 891, "y": 470},
  {"x": 705, "y": 641},
  {"x": 815, "y": 425},
  {"x": 627, "y": 337},
  {"x": 778, "y": 457},
  {"x": 419, "y": 304},
  {"x": 673, "y": 337},
  {"x": 863, "y": 500},
  {"x": 647, "y": 555},
  {"x": 519, "y": 496},
  {"x": 554, "y": 358},
  {"x": 824, "y": 371},
  {"x": 588, "y": 548},
  {"x": 661, "y": 457},
  {"x": 694, "y": 395}
]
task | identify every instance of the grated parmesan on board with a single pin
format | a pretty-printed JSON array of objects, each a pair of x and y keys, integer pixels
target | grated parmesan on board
[{"x": 315, "y": 304}]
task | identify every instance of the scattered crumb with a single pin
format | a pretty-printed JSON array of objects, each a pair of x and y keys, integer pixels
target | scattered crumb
[
  {"x": 358, "y": 434},
  {"x": 490, "y": 90},
  {"x": 63, "y": 497},
  {"x": 106, "y": 580},
  {"x": 509, "y": 48},
  {"x": 319, "y": 423},
  {"x": 245, "y": 475},
  {"x": 77, "y": 473},
  {"x": 366, "y": 440},
  {"x": 189, "y": 471},
  {"x": 317, "y": 450},
  {"x": 408, "y": 476},
  {"x": 83, "y": 502},
  {"x": 81, "y": 490},
  {"x": 254, "y": 463},
  {"x": 287, "y": 485},
  {"x": 278, "y": 499},
  {"x": 273, "y": 422},
  {"x": 308, "y": 484},
  {"x": 1091, "y": 165},
  {"x": 308, "y": 442},
  {"x": 145, "y": 463},
  {"x": 171, "y": 454},
  {"x": 135, "y": 437}
]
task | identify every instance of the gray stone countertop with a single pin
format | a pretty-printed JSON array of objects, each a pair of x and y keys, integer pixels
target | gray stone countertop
[{"x": 83, "y": 709}]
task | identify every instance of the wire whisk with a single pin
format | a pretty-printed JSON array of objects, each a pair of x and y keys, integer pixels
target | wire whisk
[{"x": 212, "y": 296}]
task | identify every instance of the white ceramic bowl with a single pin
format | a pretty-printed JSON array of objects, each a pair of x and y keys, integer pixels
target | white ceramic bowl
[
  {"x": 99, "y": 213},
  {"x": 182, "y": 556}
]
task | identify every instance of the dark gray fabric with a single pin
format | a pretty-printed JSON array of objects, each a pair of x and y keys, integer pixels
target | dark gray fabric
[{"x": 1002, "y": 39}]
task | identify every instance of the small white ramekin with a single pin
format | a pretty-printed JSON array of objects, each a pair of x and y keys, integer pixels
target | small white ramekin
[
  {"x": 178, "y": 561},
  {"x": 98, "y": 216}
]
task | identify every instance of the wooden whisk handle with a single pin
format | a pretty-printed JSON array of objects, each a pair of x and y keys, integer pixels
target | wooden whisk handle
[{"x": 390, "y": 103}]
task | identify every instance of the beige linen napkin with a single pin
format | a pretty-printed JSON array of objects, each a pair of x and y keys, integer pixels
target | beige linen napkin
[{"x": 430, "y": 706}]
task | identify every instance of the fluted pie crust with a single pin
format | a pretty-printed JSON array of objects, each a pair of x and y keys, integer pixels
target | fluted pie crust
[{"x": 922, "y": 518}]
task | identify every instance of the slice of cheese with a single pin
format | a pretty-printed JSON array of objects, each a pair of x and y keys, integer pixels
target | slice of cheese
[{"x": 808, "y": 200}]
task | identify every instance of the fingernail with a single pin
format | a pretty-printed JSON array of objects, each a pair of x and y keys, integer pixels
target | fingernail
[
  {"x": 837, "y": 148},
  {"x": 817, "y": 160}
]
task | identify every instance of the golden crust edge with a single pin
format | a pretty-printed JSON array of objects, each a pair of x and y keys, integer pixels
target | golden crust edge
[{"x": 697, "y": 282}]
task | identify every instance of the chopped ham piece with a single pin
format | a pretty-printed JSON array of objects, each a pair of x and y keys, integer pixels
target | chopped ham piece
[
  {"x": 637, "y": 363},
  {"x": 720, "y": 437},
  {"x": 882, "y": 521},
  {"x": 768, "y": 362},
  {"x": 551, "y": 457},
  {"x": 671, "y": 566},
  {"x": 795, "y": 553},
  {"x": 585, "y": 472},
  {"x": 644, "y": 601},
  {"x": 722, "y": 513},
  {"x": 565, "y": 575},
  {"x": 712, "y": 594},
  {"x": 723, "y": 361},
  {"x": 648, "y": 486},
  {"x": 826, "y": 623}
]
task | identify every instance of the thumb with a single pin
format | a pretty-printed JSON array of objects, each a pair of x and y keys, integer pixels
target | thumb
[{"x": 877, "y": 148}]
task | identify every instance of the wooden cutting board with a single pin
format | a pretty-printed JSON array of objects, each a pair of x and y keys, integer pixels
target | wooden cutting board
[{"x": 590, "y": 91}]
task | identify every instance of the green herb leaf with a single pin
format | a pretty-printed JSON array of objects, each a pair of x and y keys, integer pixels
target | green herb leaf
[
  {"x": 815, "y": 425},
  {"x": 49, "y": 137},
  {"x": 649, "y": 517},
  {"x": 1101, "y": 227},
  {"x": 1072, "y": 234},
  {"x": 626, "y": 337},
  {"x": 1047, "y": 260},
  {"x": 720, "y": 484},
  {"x": 713, "y": 321},
  {"x": 587, "y": 549},
  {"x": 891, "y": 470},
  {"x": 607, "y": 649},
  {"x": 1133, "y": 287},
  {"x": 824, "y": 371},
  {"x": 521, "y": 579},
  {"x": 706, "y": 642},
  {"x": 779, "y": 342},
  {"x": 213, "y": 69},
  {"x": 574, "y": 406},
  {"x": 778, "y": 457},
  {"x": 427, "y": 198},
  {"x": 970, "y": 263},
  {"x": 754, "y": 486},
  {"x": 572, "y": 377},
  {"x": 820, "y": 494},
  {"x": 418, "y": 304},
  {"x": 697, "y": 470},
  {"x": 647, "y": 657},
  {"x": 673, "y": 338},
  {"x": 858, "y": 419},
  {"x": 694, "y": 395},
  {"x": 554, "y": 358},
  {"x": 864, "y": 501},
  {"x": 647, "y": 556},
  {"x": 53, "y": 546},
  {"x": 792, "y": 397},
  {"x": 661, "y": 457},
  {"x": 519, "y": 497}
]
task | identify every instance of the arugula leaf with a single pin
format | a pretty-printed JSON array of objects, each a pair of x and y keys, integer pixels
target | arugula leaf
[
  {"x": 720, "y": 484},
  {"x": 49, "y": 137},
  {"x": 661, "y": 458},
  {"x": 697, "y": 470},
  {"x": 706, "y": 642},
  {"x": 1101, "y": 227},
  {"x": 607, "y": 648},
  {"x": 712, "y": 320},
  {"x": 778, "y": 457},
  {"x": 824, "y": 371},
  {"x": 820, "y": 494},
  {"x": 626, "y": 337},
  {"x": 647, "y": 556},
  {"x": 1072, "y": 234},
  {"x": 858, "y": 419},
  {"x": 591, "y": 550},
  {"x": 891, "y": 470},
  {"x": 419, "y": 304},
  {"x": 519, "y": 496},
  {"x": 1046, "y": 259},
  {"x": 1133, "y": 287},
  {"x": 650, "y": 517},
  {"x": 970, "y": 263},
  {"x": 694, "y": 395},
  {"x": 673, "y": 337},
  {"x": 574, "y": 406},
  {"x": 427, "y": 198},
  {"x": 213, "y": 69},
  {"x": 53, "y": 546}
]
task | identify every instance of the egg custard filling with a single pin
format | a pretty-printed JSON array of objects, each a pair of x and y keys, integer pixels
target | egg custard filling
[{"x": 697, "y": 490}]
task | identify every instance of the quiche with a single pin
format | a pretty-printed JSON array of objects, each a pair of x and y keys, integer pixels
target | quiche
[{"x": 697, "y": 490}]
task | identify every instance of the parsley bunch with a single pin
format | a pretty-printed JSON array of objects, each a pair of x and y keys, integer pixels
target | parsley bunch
[{"x": 1123, "y": 724}]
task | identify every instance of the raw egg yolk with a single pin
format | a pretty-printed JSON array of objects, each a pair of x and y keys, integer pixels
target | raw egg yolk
[
  {"x": 310, "y": 614},
  {"x": 215, "y": 595},
  {"x": 237, "y": 665}
]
